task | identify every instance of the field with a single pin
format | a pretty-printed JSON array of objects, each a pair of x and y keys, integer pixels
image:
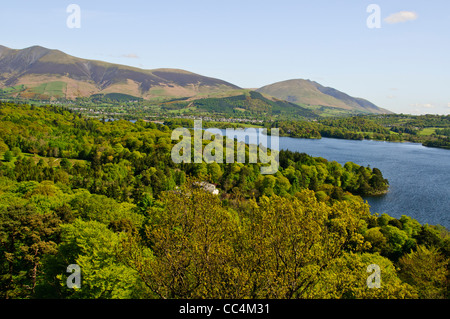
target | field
[
  {"x": 51, "y": 161},
  {"x": 427, "y": 131},
  {"x": 56, "y": 89},
  {"x": 13, "y": 89},
  {"x": 329, "y": 112}
]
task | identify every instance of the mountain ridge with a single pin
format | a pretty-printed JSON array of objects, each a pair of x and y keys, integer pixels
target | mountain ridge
[
  {"x": 83, "y": 77},
  {"x": 37, "y": 72},
  {"x": 301, "y": 91}
]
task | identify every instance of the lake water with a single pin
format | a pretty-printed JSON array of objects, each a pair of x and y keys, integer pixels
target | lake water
[{"x": 419, "y": 177}]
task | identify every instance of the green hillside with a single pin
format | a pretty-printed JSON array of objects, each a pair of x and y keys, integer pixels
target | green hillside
[
  {"x": 54, "y": 89},
  {"x": 248, "y": 103},
  {"x": 47, "y": 74},
  {"x": 312, "y": 93},
  {"x": 107, "y": 197}
]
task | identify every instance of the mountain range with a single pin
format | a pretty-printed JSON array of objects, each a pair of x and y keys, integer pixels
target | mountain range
[
  {"x": 312, "y": 93},
  {"x": 46, "y": 72},
  {"x": 40, "y": 73}
]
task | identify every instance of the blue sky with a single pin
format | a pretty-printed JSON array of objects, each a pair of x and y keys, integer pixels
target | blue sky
[{"x": 403, "y": 66}]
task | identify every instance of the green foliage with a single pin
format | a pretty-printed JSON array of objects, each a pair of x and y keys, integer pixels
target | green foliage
[
  {"x": 8, "y": 156},
  {"x": 427, "y": 271},
  {"x": 317, "y": 174},
  {"x": 25, "y": 238},
  {"x": 386, "y": 127},
  {"x": 107, "y": 197},
  {"x": 251, "y": 103},
  {"x": 273, "y": 249},
  {"x": 346, "y": 279},
  {"x": 93, "y": 247},
  {"x": 113, "y": 97}
]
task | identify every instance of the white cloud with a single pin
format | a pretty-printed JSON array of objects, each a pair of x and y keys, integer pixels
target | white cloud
[
  {"x": 448, "y": 104},
  {"x": 130, "y": 56},
  {"x": 401, "y": 16}
]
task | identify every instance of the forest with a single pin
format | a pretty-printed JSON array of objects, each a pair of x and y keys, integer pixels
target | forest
[
  {"x": 430, "y": 130},
  {"x": 250, "y": 107},
  {"x": 292, "y": 120},
  {"x": 107, "y": 197}
]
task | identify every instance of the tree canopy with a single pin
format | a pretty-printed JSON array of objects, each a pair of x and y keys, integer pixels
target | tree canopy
[{"x": 107, "y": 197}]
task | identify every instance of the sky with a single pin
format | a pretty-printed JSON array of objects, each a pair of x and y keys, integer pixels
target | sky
[{"x": 397, "y": 56}]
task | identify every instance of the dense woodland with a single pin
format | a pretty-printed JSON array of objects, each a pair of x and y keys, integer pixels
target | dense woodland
[
  {"x": 250, "y": 107},
  {"x": 392, "y": 128},
  {"x": 108, "y": 197},
  {"x": 430, "y": 130}
]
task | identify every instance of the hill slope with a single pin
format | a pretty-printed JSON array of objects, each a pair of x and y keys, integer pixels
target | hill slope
[
  {"x": 38, "y": 72},
  {"x": 242, "y": 103},
  {"x": 309, "y": 92}
]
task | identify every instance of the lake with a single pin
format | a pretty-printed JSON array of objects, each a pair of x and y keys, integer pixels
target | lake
[{"x": 419, "y": 176}]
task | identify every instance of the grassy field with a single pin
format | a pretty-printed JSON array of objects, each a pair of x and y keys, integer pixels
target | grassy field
[
  {"x": 231, "y": 124},
  {"x": 14, "y": 89},
  {"x": 54, "y": 161},
  {"x": 56, "y": 89},
  {"x": 427, "y": 131},
  {"x": 326, "y": 111}
]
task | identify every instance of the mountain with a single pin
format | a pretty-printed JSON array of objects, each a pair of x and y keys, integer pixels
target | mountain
[
  {"x": 38, "y": 72},
  {"x": 241, "y": 103},
  {"x": 308, "y": 92}
]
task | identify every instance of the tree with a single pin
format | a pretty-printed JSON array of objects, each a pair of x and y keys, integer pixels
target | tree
[
  {"x": 288, "y": 243},
  {"x": 190, "y": 240},
  {"x": 65, "y": 164},
  {"x": 214, "y": 171},
  {"x": 16, "y": 151},
  {"x": 92, "y": 246},
  {"x": 201, "y": 170},
  {"x": 282, "y": 184},
  {"x": 3, "y": 146},
  {"x": 427, "y": 271},
  {"x": 267, "y": 185},
  {"x": 396, "y": 240},
  {"x": 376, "y": 239},
  {"x": 25, "y": 237},
  {"x": 8, "y": 156},
  {"x": 346, "y": 278}
]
